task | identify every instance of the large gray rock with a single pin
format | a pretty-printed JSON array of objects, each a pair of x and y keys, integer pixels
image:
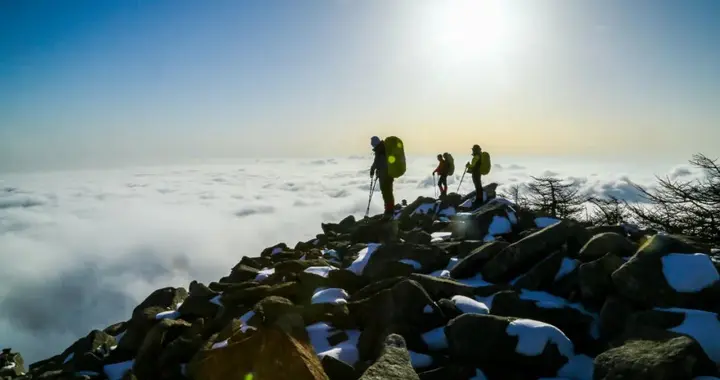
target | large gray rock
[
  {"x": 12, "y": 364},
  {"x": 491, "y": 343},
  {"x": 614, "y": 314},
  {"x": 199, "y": 303},
  {"x": 604, "y": 243},
  {"x": 476, "y": 225},
  {"x": 429, "y": 257},
  {"x": 442, "y": 287},
  {"x": 393, "y": 363},
  {"x": 460, "y": 249},
  {"x": 522, "y": 255},
  {"x": 675, "y": 358},
  {"x": 374, "y": 230},
  {"x": 579, "y": 326},
  {"x": 405, "y": 308},
  {"x": 595, "y": 277},
  {"x": 345, "y": 226},
  {"x": 643, "y": 279},
  {"x": 542, "y": 275},
  {"x": 146, "y": 363},
  {"x": 473, "y": 263}
]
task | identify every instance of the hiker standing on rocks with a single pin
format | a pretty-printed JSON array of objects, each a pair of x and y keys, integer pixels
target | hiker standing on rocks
[
  {"x": 442, "y": 172},
  {"x": 473, "y": 167},
  {"x": 380, "y": 166}
]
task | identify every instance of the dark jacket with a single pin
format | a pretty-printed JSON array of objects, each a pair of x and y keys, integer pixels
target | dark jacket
[
  {"x": 442, "y": 168},
  {"x": 380, "y": 162}
]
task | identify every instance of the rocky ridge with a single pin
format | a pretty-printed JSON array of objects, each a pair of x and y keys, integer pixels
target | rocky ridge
[{"x": 447, "y": 290}]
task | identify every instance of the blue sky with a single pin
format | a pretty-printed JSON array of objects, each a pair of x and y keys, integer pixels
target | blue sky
[{"x": 92, "y": 82}]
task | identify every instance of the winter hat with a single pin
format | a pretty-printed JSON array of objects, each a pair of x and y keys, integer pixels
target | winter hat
[{"x": 374, "y": 141}]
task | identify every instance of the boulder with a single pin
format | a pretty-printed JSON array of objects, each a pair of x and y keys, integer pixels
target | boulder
[
  {"x": 403, "y": 304},
  {"x": 489, "y": 193},
  {"x": 471, "y": 264},
  {"x": 145, "y": 366},
  {"x": 418, "y": 236},
  {"x": 254, "y": 294},
  {"x": 374, "y": 288},
  {"x": 345, "y": 279},
  {"x": 271, "y": 308},
  {"x": 491, "y": 219},
  {"x": 203, "y": 303},
  {"x": 393, "y": 363},
  {"x": 161, "y": 300},
  {"x": 337, "y": 315},
  {"x": 268, "y": 354},
  {"x": 702, "y": 326},
  {"x": 614, "y": 315},
  {"x": 116, "y": 328},
  {"x": 391, "y": 269},
  {"x": 595, "y": 277},
  {"x": 274, "y": 250},
  {"x": 297, "y": 266},
  {"x": 604, "y": 243},
  {"x": 418, "y": 213},
  {"x": 505, "y": 347},
  {"x": 255, "y": 262},
  {"x": 241, "y": 273},
  {"x": 543, "y": 274},
  {"x": 522, "y": 255},
  {"x": 675, "y": 358},
  {"x": 420, "y": 258},
  {"x": 460, "y": 249},
  {"x": 178, "y": 352},
  {"x": 345, "y": 226},
  {"x": 88, "y": 353},
  {"x": 12, "y": 364},
  {"x": 579, "y": 325},
  {"x": 667, "y": 271},
  {"x": 374, "y": 231},
  {"x": 439, "y": 288},
  {"x": 405, "y": 308},
  {"x": 449, "y": 308}
]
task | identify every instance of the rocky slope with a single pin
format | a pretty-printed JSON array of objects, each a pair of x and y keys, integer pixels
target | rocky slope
[{"x": 448, "y": 290}]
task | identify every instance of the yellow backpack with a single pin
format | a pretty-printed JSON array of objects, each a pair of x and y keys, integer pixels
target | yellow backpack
[
  {"x": 485, "y": 164},
  {"x": 395, "y": 152}
]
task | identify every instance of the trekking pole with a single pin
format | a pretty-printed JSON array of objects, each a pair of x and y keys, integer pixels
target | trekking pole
[
  {"x": 373, "y": 181},
  {"x": 436, "y": 190},
  {"x": 461, "y": 179}
]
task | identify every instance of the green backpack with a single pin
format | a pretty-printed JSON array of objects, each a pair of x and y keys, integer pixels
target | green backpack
[
  {"x": 450, "y": 163},
  {"x": 485, "y": 164},
  {"x": 395, "y": 153}
]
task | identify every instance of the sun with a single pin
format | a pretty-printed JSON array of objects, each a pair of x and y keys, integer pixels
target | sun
[{"x": 474, "y": 32}]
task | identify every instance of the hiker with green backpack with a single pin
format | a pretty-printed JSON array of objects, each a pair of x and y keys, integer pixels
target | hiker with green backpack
[
  {"x": 480, "y": 165},
  {"x": 389, "y": 163}
]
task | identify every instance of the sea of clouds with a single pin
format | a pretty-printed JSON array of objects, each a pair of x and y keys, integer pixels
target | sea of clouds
[{"x": 80, "y": 249}]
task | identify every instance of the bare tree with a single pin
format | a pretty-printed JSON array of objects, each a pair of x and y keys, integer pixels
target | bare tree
[
  {"x": 555, "y": 197},
  {"x": 683, "y": 207},
  {"x": 514, "y": 193},
  {"x": 608, "y": 210}
]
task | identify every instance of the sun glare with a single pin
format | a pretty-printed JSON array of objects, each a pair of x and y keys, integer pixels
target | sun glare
[{"x": 475, "y": 32}]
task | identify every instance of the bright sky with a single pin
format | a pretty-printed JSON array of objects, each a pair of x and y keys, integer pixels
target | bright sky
[{"x": 89, "y": 82}]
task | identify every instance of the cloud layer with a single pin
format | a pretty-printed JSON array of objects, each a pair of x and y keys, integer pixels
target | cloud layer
[{"x": 81, "y": 249}]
